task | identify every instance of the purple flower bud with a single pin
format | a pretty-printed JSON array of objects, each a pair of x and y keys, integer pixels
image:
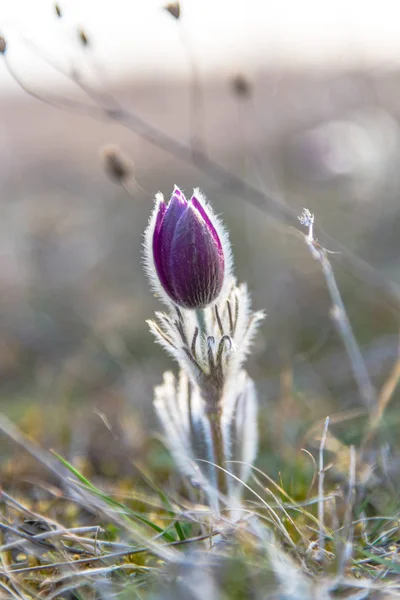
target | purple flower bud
[{"x": 186, "y": 250}]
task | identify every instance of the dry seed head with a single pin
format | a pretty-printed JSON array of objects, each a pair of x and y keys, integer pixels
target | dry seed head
[
  {"x": 117, "y": 166},
  {"x": 241, "y": 86},
  {"x": 174, "y": 9},
  {"x": 83, "y": 38},
  {"x": 3, "y": 45}
]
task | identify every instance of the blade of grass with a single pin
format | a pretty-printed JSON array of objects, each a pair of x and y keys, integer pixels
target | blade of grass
[
  {"x": 111, "y": 502},
  {"x": 164, "y": 500}
]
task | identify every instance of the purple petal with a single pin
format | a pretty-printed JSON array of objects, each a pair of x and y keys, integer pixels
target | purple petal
[
  {"x": 176, "y": 208},
  {"x": 198, "y": 206},
  {"x": 195, "y": 263},
  {"x": 177, "y": 192},
  {"x": 156, "y": 242}
]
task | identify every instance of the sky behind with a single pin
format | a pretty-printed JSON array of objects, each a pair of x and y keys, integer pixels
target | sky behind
[{"x": 138, "y": 37}]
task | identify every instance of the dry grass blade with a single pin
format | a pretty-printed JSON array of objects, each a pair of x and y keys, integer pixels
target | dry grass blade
[{"x": 321, "y": 500}]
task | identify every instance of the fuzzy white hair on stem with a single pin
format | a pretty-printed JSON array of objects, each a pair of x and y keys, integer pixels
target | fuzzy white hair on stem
[
  {"x": 181, "y": 412},
  {"x": 231, "y": 326}
]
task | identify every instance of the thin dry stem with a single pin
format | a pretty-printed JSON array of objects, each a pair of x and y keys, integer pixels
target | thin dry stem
[
  {"x": 384, "y": 398},
  {"x": 321, "y": 499},
  {"x": 348, "y": 527},
  {"x": 340, "y": 318}
]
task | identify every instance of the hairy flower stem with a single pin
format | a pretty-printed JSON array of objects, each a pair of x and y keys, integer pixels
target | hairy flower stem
[
  {"x": 201, "y": 321},
  {"x": 214, "y": 419},
  {"x": 211, "y": 391}
]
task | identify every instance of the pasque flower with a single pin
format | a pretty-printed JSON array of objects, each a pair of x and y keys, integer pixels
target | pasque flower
[
  {"x": 184, "y": 248},
  {"x": 209, "y": 414}
]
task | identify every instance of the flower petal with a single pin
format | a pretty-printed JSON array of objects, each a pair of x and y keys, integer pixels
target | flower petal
[
  {"x": 195, "y": 263},
  {"x": 156, "y": 243},
  {"x": 198, "y": 206},
  {"x": 174, "y": 211}
]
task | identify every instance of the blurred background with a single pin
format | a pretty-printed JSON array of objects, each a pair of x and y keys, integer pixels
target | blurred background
[{"x": 299, "y": 99}]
